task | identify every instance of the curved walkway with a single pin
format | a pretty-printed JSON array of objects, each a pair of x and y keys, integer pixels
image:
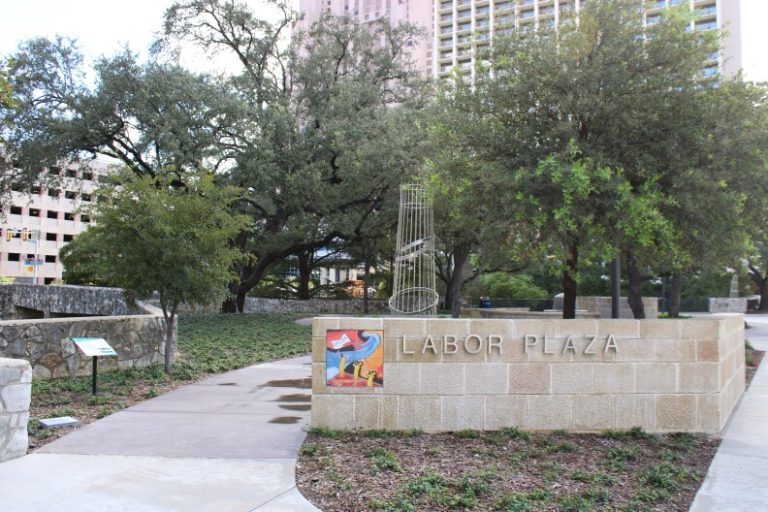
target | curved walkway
[
  {"x": 736, "y": 480},
  {"x": 225, "y": 444}
]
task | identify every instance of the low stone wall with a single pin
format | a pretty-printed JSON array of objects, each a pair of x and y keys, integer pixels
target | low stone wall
[
  {"x": 602, "y": 306},
  {"x": 137, "y": 339},
  {"x": 338, "y": 307},
  {"x": 38, "y": 301},
  {"x": 538, "y": 375},
  {"x": 723, "y": 305},
  {"x": 15, "y": 395},
  {"x": 521, "y": 313}
]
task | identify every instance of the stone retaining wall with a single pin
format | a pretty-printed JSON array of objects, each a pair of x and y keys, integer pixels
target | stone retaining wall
[
  {"x": 339, "y": 307},
  {"x": 538, "y": 375},
  {"x": 15, "y": 395},
  {"x": 37, "y": 301},
  {"x": 723, "y": 305},
  {"x": 602, "y": 306},
  {"x": 138, "y": 340}
]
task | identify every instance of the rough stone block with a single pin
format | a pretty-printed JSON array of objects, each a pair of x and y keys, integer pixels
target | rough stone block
[
  {"x": 391, "y": 349},
  {"x": 662, "y": 328},
  {"x": 333, "y": 411},
  {"x": 535, "y": 328},
  {"x": 548, "y": 412},
  {"x": 549, "y": 350},
  {"x": 512, "y": 351},
  {"x": 674, "y": 350},
  {"x": 16, "y": 397},
  {"x": 699, "y": 378},
  {"x": 369, "y": 413},
  {"x": 486, "y": 379},
  {"x": 708, "y": 417},
  {"x": 318, "y": 378},
  {"x": 62, "y": 421},
  {"x": 402, "y": 379},
  {"x": 575, "y": 327},
  {"x": 439, "y": 327},
  {"x": 9, "y": 373},
  {"x": 426, "y": 349},
  {"x": 614, "y": 378},
  {"x": 707, "y": 351},
  {"x": 700, "y": 329},
  {"x": 676, "y": 413},
  {"x": 572, "y": 379},
  {"x": 419, "y": 412},
  {"x": 656, "y": 378},
  {"x": 390, "y": 412},
  {"x": 444, "y": 379},
  {"x": 364, "y": 323},
  {"x": 635, "y": 350},
  {"x": 504, "y": 412},
  {"x": 322, "y": 324},
  {"x": 318, "y": 349},
  {"x": 463, "y": 412},
  {"x": 634, "y": 411},
  {"x": 489, "y": 327},
  {"x": 529, "y": 378},
  {"x": 592, "y": 413},
  {"x": 468, "y": 349}
]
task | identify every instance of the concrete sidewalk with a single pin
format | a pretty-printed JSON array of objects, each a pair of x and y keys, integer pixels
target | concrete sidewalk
[
  {"x": 227, "y": 443},
  {"x": 737, "y": 478}
]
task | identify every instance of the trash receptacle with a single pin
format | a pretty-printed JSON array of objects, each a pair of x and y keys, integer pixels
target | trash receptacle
[{"x": 485, "y": 303}]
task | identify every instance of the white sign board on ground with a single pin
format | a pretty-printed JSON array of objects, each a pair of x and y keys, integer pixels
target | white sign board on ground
[{"x": 94, "y": 347}]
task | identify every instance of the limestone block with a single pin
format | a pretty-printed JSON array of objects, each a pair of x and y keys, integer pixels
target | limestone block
[
  {"x": 443, "y": 379},
  {"x": 369, "y": 412},
  {"x": 5, "y": 426},
  {"x": 364, "y": 323},
  {"x": 674, "y": 350},
  {"x": 547, "y": 350},
  {"x": 535, "y": 327},
  {"x": 333, "y": 411},
  {"x": 419, "y": 412},
  {"x": 322, "y": 324},
  {"x": 390, "y": 412},
  {"x": 318, "y": 349},
  {"x": 422, "y": 349},
  {"x": 575, "y": 327},
  {"x": 463, "y": 412},
  {"x": 707, "y": 350},
  {"x": 708, "y": 418},
  {"x": 396, "y": 327},
  {"x": 676, "y": 413},
  {"x": 402, "y": 379},
  {"x": 529, "y": 378},
  {"x": 700, "y": 329},
  {"x": 635, "y": 350},
  {"x": 16, "y": 397},
  {"x": 661, "y": 328},
  {"x": 621, "y": 328},
  {"x": 512, "y": 351},
  {"x": 656, "y": 378},
  {"x": 318, "y": 378},
  {"x": 614, "y": 378},
  {"x": 699, "y": 378},
  {"x": 9, "y": 372},
  {"x": 439, "y": 327},
  {"x": 592, "y": 413},
  {"x": 469, "y": 349},
  {"x": 391, "y": 349},
  {"x": 572, "y": 379},
  {"x": 504, "y": 411},
  {"x": 634, "y": 411},
  {"x": 547, "y": 412},
  {"x": 489, "y": 327},
  {"x": 486, "y": 379},
  {"x": 17, "y": 445}
]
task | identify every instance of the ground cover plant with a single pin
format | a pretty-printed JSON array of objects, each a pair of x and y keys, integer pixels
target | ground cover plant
[
  {"x": 508, "y": 470},
  {"x": 208, "y": 343}
]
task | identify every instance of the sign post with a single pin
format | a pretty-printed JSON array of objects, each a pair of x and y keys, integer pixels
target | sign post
[{"x": 94, "y": 347}]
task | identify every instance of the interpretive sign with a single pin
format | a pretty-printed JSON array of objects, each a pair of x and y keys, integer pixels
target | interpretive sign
[{"x": 94, "y": 347}]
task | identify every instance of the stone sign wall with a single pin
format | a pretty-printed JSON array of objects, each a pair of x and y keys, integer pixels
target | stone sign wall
[
  {"x": 15, "y": 394},
  {"x": 45, "y": 343},
  {"x": 580, "y": 375}
]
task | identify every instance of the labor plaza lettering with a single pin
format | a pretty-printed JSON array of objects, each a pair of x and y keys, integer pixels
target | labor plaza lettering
[{"x": 494, "y": 344}]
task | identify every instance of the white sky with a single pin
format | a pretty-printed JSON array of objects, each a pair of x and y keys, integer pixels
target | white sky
[{"x": 106, "y": 26}]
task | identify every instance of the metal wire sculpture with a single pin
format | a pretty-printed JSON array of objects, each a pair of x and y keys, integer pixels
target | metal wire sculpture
[{"x": 414, "y": 284}]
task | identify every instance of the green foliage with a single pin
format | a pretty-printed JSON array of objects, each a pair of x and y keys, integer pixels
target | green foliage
[
  {"x": 383, "y": 460},
  {"x": 502, "y": 285}
]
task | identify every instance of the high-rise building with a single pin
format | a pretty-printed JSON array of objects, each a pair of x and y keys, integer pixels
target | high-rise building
[
  {"x": 38, "y": 223},
  {"x": 370, "y": 12},
  {"x": 459, "y": 29}
]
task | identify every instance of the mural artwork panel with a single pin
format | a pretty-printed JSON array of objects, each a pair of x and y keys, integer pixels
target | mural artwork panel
[{"x": 354, "y": 357}]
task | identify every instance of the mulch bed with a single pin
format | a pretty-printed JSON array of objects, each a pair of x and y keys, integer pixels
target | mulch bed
[{"x": 505, "y": 470}]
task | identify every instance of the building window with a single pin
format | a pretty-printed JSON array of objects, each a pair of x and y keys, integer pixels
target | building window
[
  {"x": 70, "y": 195},
  {"x": 13, "y": 256},
  {"x": 35, "y": 191},
  {"x": 49, "y": 280},
  {"x": 69, "y": 216},
  {"x": 85, "y": 218},
  {"x": 706, "y": 25},
  {"x": 67, "y": 238},
  {"x": 54, "y": 193},
  {"x": 15, "y": 210},
  {"x": 51, "y": 237},
  {"x": 50, "y": 258},
  {"x": 53, "y": 215},
  {"x": 71, "y": 173},
  {"x": 34, "y": 212},
  {"x": 88, "y": 176},
  {"x": 86, "y": 198}
]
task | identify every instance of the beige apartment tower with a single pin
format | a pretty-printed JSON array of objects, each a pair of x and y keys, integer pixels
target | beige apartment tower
[{"x": 459, "y": 29}]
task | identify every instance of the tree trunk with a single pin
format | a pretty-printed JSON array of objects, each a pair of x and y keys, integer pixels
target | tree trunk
[
  {"x": 366, "y": 269},
  {"x": 230, "y": 304},
  {"x": 764, "y": 296},
  {"x": 635, "y": 295},
  {"x": 240, "y": 298},
  {"x": 170, "y": 337},
  {"x": 305, "y": 274},
  {"x": 675, "y": 294},
  {"x": 569, "y": 282},
  {"x": 460, "y": 257}
]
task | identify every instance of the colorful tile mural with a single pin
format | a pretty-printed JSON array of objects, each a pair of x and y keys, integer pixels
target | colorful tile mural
[{"x": 354, "y": 357}]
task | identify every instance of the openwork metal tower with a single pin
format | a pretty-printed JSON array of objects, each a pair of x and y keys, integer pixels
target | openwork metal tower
[{"x": 414, "y": 284}]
